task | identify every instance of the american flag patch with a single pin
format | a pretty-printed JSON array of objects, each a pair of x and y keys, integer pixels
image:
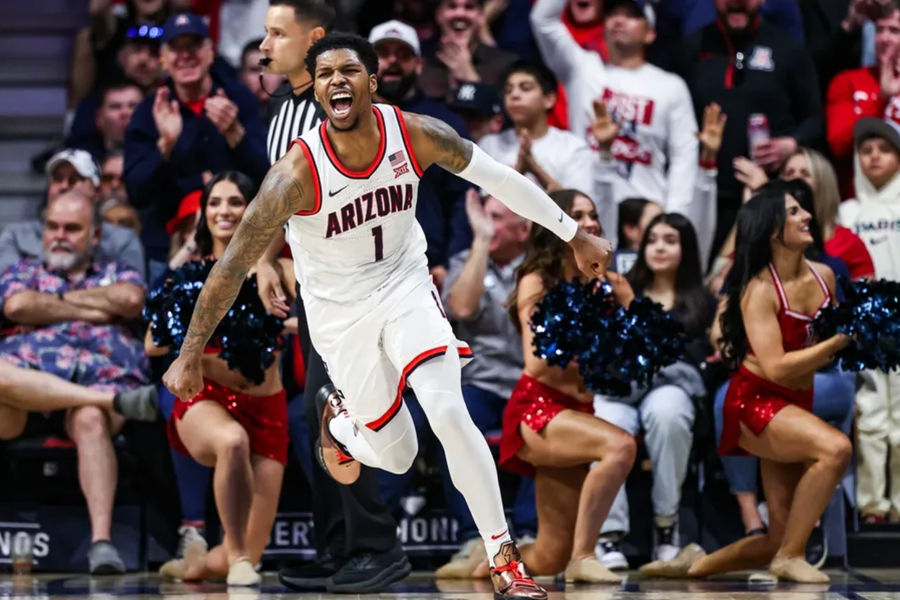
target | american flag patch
[{"x": 398, "y": 162}]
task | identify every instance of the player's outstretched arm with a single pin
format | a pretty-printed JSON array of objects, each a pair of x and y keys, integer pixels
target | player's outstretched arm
[
  {"x": 435, "y": 142},
  {"x": 280, "y": 196}
]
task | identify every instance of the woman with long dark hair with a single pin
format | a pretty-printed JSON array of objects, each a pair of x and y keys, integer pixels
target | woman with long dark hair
[
  {"x": 549, "y": 430},
  {"x": 234, "y": 425},
  {"x": 667, "y": 271},
  {"x": 774, "y": 294}
]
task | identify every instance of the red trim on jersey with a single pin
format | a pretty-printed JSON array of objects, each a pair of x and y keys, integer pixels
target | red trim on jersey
[
  {"x": 407, "y": 144},
  {"x": 336, "y": 161},
  {"x": 384, "y": 419},
  {"x": 314, "y": 173}
]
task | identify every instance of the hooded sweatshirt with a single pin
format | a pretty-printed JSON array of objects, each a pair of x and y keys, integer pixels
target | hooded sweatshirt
[{"x": 875, "y": 217}]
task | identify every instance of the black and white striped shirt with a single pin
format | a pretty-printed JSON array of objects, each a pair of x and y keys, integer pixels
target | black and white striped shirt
[{"x": 292, "y": 115}]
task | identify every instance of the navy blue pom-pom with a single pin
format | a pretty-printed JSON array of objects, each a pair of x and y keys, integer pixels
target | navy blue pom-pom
[
  {"x": 614, "y": 346},
  {"x": 870, "y": 315},
  {"x": 247, "y": 336}
]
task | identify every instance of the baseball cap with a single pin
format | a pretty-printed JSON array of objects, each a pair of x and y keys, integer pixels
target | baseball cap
[
  {"x": 81, "y": 161},
  {"x": 189, "y": 206},
  {"x": 396, "y": 30},
  {"x": 478, "y": 98},
  {"x": 637, "y": 8},
  {"x": 868, "y": 127},
  {"x": 183, "y": 24}
]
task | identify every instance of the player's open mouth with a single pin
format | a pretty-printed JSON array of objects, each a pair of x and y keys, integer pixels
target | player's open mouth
[{"x": 341, "y": 102}]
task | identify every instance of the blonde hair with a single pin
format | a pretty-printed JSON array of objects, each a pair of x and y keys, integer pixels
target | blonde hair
[{"x": 826, "y": 194}]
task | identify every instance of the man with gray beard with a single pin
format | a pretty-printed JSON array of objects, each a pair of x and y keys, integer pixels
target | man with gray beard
[
  {"x": 67, "y": 316},
  {"x": 72, "y": 170}
]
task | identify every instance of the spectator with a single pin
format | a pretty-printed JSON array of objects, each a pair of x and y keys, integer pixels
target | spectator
[
  {"x": 873, "y": 216},
  {"x": 479, "y": 107},
  {"x": 555, "y": 158},
  {"x": 234, "y": 424},
  {"x": 259, "y": 81},
  {"x": 479, "y": 282},
  {"x": 97, "y": 49},
  {"x": 73, "y": 312},
  {"x": 441, "y": 207},
  {"x": 122, "y": 215},
  {"x": 138, "y": 61},
  {"x": 117, "y": 103},
  {"x": 634, "y": 216},
  {"x": 549, "y": 431},
  {"x": 865, "y": 92},
  {"x": 112, "y": 186},
  {"x": 460, "y": 56},
  {"x": 654, "y": 151},
  {"x": 68, "y": 171},
  {"x": 667, "y": 271},
  {"x": 749, "y": 66},
  {"x": 194, "y": 126},
  {"x": 700, "y": 209}
]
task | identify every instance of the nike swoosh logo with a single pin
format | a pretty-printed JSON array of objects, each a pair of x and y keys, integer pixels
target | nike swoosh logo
[
  {"x": 332, "y": 194},
  {"x": 560, "y": 216},
  {"x": 499, "y": 535}
]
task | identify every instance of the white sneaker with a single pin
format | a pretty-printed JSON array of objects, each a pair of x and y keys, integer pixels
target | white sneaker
[
  {"x": 666, "y": 542},
  {"x": 609, "y": 552},
  {"x": 188, "y": 534}
]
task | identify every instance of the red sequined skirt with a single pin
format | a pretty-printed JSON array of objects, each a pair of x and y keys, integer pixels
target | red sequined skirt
[
  {"x": 264, "y": 418},
  {"x": 754, "y": 401},
  {"x": 533, "y": 404}
]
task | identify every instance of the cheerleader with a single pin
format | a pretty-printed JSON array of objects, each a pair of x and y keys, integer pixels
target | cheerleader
[{"x": 236, "y": 426}]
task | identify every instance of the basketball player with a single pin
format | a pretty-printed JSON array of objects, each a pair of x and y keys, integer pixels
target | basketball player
[{"x": 349, "y": 191}]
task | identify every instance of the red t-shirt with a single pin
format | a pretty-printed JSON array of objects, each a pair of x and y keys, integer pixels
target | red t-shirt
[{"x": 847, "y": 246}]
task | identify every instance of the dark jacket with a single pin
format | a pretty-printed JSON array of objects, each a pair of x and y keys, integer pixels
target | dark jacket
[
  {"x": 441, "y": 210},
  {"x": 775, "y": 77},
  {"x": 156, "y": 186}
]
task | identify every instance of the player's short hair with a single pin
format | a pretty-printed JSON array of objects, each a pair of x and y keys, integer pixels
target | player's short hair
[
  {"x": 544, "y": 76},
  {"x": 317, "y": 13},
  {"x": 350, "y": 41},
  {"x": 116, "y": 84}
]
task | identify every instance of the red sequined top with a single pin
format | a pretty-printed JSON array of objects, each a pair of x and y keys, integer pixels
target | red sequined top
[{"x": 795, "y": 330}]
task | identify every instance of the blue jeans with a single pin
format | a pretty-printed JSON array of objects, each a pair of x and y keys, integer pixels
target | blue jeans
[
  {"x": 486, "y": 410},
  {"x": 191, "y": 477},
  {"x": 833, "y": 393}
]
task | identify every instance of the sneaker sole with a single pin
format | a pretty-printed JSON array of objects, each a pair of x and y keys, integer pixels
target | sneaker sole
[
  {"x": 393, "y": 573},
  {"x": 108, "y": 570},
  {"x": 305, "y": 584}
]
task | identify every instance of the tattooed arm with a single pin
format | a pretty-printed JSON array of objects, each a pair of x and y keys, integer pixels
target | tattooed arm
[
  {"x": 281, "y": 194},
  {"x": 435, "y": 142}
]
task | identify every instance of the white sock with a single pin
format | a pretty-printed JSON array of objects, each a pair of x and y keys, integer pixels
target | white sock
[
  {"x": 471, "y": 466},
  {"x": 492, "y": 545}
]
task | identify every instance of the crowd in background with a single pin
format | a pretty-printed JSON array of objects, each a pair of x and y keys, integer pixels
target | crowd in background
[{"x": 651, "y": 122}]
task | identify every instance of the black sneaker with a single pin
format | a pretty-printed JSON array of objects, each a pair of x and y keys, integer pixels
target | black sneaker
[
  {"x": 817, "y": 547},
  {"x": 310, "y": 576},
  {"x": 370, "y": 572}
]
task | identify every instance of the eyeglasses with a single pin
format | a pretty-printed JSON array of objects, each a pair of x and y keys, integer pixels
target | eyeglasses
[{"x": 144, "y": 32}]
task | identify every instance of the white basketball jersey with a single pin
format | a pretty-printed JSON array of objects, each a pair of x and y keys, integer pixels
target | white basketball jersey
[{"x": 362, "y": 233}]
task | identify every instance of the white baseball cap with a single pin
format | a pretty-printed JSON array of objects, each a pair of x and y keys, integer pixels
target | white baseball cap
[
  {"x": 81, "y": 161},
  {"x": 396, "y": 30}
]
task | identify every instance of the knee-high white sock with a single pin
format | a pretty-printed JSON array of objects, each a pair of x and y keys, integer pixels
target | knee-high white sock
[
  {"x": 438, "y": 389},
  {"x": 393, "y": 448}
]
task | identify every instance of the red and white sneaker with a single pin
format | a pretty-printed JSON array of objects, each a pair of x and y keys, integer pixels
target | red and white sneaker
[
  {"x": 332, "y": 455},
  {"x": 511, "y": 580}
]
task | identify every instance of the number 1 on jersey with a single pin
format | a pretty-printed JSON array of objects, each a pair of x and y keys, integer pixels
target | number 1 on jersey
[{"x": 379, "y": 243}]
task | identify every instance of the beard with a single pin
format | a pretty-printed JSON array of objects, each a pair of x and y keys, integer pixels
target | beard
[
  {"x": 65, "y": 259},
  {"x": 395, "y": 91}
]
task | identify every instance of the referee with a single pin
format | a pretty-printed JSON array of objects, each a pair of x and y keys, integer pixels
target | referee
[{"x": 355, "y": 534}]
